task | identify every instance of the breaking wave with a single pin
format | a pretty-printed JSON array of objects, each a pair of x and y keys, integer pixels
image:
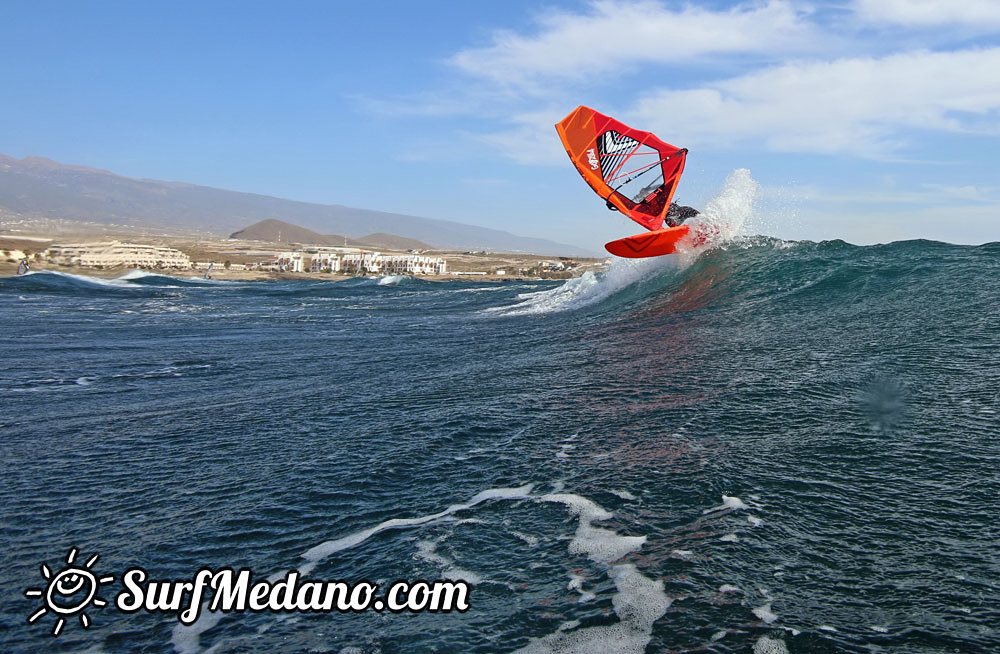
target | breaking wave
[{"x": 725, "y": 217}]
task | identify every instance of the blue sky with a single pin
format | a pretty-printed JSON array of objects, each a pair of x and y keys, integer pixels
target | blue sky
[{"x": 867, "y": 120}]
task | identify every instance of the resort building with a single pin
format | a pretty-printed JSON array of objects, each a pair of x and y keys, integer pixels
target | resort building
[
  {"x": 325, "y": 262},
  {"x": 394, "y": 264},
  {"x": 290, "y": 262},
  {"x": 359, "y": 262},
  {"x": 117, "y": 253}
]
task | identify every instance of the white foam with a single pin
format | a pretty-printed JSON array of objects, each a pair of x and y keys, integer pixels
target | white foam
[
  {"x": 729, "y": 503},
  {"x": 724, "y": 217},
  {"x": 684, "y": 553},
  {"x": 624, "y": 494},
  {"x": 601, "y": 545},
  {"x": 639, "y": 603},
  {"x": 768, "y": 645},
  {"x": 826, "y": 627},
  {"x": 728, "y": 588},
  {"x": 879, "y": 629},
  {"x": 323, "y": 550},
  {"x": 121, "y": 282},
  {"x": 427, "y": 550},
  {"x": 390, "y": 280},
  {"x": 139, "y": 274},
  {"x": 765, "y": 613},
  {"x": 729, "y": 212},
  {"x": 576, "y": 583},
  {"x": 754, "y": 520},
  {"x": 186, "y": 639},
  {"x": 590, "y": 288},
  {"x": 729, "y": 538}
]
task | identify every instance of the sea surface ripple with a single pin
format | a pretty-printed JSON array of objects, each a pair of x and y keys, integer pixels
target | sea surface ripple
[{"x": 771, "y": 446}]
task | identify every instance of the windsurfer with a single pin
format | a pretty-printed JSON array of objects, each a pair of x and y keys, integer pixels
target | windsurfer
[{"x": 678, "y": 213}]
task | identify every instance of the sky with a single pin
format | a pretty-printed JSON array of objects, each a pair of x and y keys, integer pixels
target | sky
[{"x": 865, "y": 120}]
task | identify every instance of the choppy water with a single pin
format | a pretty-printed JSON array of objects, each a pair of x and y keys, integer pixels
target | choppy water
[{"x": 769, "y": 446}]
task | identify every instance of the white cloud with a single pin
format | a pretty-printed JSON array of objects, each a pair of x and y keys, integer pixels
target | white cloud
[
  {"x": 857, "y": 105},
  {"x": 930, "y": 13},
  {"x": 532, "y": 140},
  {"x": 615, "y": 34}
]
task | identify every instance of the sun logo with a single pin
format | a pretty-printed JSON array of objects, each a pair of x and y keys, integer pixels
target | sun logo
[{"x": 69, "y": 592}]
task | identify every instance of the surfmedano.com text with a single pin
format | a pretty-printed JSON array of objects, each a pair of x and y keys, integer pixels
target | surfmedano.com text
[{"x": 230, "y": 591}]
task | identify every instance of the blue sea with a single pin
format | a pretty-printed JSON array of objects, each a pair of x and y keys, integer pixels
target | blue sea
[{"x": 762, "y": 446}]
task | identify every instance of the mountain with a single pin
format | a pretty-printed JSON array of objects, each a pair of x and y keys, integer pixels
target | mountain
[
  {"x": 39, "y": 189},
  {"x": 278, "y": 231}
]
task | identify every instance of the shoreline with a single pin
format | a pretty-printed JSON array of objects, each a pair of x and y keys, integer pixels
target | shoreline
[
  {"x": 468, "y": 266},
  {"x": 8, "y": 269}
]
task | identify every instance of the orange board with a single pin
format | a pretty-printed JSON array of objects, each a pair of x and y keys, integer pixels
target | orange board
[{"x": 648, "y": 244}]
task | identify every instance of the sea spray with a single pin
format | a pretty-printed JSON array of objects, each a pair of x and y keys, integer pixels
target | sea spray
[
  {"x": 724, "y": 217},
  {"x": 729, "y": 213}
]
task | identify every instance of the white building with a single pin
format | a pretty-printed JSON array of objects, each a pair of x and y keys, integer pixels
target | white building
[
  {"x": 291, "y": 262},
  {"x": 117, "y": 253},
  {"x": 394, "y": 264},
  {"x": 325, "y": 261}
]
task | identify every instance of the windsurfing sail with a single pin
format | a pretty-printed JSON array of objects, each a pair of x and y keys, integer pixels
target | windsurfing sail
[
  {"x": 634, "y": 171},
  {"x": 209, "y": 271},
  {"x": 23, "y": 268}
]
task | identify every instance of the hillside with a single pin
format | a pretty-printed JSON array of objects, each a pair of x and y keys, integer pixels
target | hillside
[
  {"x": 38, "y": 191},
  {"x": 393, "y": 242},
  {"x": 278, "y": 231}
]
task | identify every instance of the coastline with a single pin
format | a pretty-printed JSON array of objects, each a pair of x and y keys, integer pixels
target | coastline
[
  {"x": 469, "y": 266},
  {"x": 8, "y": 269}
]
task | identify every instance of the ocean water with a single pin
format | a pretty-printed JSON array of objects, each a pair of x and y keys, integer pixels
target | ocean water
[{"x": 762, "y": 446}]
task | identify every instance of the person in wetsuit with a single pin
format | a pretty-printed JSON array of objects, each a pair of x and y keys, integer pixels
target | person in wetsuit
[
  {"x": 678, "y": 213},
  {"x": 653, "y": 205}
]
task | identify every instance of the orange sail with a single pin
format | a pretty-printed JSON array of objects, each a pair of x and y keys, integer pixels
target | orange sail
[{"x": 634, "y": 171}]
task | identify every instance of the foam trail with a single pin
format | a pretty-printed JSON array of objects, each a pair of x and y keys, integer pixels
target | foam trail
[
  {"x": 589, "y": 288},
  {"x": 316, "y": 554},
  {"x": 601, "y": 545},
  {"x": 186, "y": 639},
  {"x": 639, "y": 602}
]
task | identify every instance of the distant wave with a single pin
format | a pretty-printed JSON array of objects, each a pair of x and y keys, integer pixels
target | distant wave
[{"x": 57, "y": 280}]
